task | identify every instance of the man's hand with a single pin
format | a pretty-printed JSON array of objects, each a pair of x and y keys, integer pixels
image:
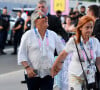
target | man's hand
[
  {"x": 30, "y": 72},
  {"x": 1, "y": 27}
]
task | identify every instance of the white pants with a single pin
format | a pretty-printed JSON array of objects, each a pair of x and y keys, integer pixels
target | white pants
[{"x": 75, "y": 82}]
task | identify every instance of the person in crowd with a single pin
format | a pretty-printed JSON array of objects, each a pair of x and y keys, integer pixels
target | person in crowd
[
  {"x": 74, "y": 18},
  {"x": 99, "y": 12},
  {"x": 93, "y": 11},
  {"x": 36, "y": 52},
  {"x": 6, "y": 25},
  {"x": 69, "y": 27},
  {"x": 87, "y": 54},
  {"x": 78, "y": 14},
  {"x": 82, "y": 10},
  {"x": 1, "y": 35},
  {"x": 27, "y": 25},
  {"x": 18, "y": 31},
  {"x": 60, "y": 16},
  {"x": 53, "y": 21}
]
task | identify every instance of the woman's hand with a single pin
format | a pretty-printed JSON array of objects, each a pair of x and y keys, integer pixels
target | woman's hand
[
  {"x": 55, "y": 69},
  {"x": 58, "y": 63}
]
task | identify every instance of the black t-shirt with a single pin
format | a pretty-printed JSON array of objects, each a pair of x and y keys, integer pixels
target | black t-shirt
[
  {"x": 19, "y": 21},
  {"x": 55, "y": 25},
  {"x": 6, "y": 21},
  {"x": 1, "y": 24},
  {"x": 96, "y": 30}
]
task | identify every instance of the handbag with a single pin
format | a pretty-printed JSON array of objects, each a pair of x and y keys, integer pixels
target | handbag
[{"x": 87, "y": 86}]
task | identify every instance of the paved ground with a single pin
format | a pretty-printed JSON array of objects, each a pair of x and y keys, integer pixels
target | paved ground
[
  {"x": 10, "y": 73},
  {"x": 11, "y": 81}
]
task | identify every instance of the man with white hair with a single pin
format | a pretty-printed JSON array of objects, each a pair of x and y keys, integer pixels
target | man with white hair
[
  {"x": 36, "y": 53},
  {"x": 53, "y": 21}
]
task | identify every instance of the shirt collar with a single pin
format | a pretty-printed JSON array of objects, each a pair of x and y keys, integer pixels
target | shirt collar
[{"x": 83, "y": 40}]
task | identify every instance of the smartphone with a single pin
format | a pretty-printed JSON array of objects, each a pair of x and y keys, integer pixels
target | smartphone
[{"x": 36, "y": 71}]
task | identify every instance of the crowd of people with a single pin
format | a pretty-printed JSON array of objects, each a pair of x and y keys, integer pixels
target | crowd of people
[
  {"x": 43, "y": 36},
  {"x": 16, "y": 31}
]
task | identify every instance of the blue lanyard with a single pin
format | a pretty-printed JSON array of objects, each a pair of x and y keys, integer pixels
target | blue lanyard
[
  {"x": 91, "y": 48},
  {"x": 36, "y": 33},
  {"x": 90, "y": 44}
]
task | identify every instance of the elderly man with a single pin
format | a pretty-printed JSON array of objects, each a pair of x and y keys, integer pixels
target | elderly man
[
  {"x": 53, "y": 21},
  {"x": 36, "y": 53}
]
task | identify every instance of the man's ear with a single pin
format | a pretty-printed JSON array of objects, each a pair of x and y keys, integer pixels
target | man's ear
[{"x": 92, "y": 14}]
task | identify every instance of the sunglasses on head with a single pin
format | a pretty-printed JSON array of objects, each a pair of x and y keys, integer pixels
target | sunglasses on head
[{"x": 39, "y": 17}]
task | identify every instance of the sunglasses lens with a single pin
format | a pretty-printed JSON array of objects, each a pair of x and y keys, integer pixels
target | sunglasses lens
[{"x": 41, "y": 17}]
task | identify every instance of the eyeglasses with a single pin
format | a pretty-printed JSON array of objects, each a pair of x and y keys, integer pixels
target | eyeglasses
[{"x": 39, "y": 17}]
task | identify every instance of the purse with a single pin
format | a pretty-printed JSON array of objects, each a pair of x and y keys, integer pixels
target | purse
[{"x": 88, "y": 85}]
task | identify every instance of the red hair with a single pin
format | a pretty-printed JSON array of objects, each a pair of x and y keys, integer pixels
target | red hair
[{"x": 83, "y": 20}]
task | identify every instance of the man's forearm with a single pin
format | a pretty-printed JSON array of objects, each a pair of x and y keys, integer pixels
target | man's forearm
[{"x": 25, "y": 64}]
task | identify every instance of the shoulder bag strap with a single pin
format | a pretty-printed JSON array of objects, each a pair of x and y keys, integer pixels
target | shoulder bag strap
[
  {"x": 87, "y": 56},
  {"x": 81, "y": 62}
]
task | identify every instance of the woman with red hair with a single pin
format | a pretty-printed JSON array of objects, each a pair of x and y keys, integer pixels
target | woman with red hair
[{"x": 85, "y": 54}]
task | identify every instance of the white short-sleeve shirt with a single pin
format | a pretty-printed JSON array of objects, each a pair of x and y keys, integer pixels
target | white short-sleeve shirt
[
  {"x": 39, "y": 57},
  {"x": 75, "y": 66}
]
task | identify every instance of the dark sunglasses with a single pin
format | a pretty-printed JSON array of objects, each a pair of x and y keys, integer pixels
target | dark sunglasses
[{"x": 39, "y": 17}]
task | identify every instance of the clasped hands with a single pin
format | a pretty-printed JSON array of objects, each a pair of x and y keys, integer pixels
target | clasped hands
[{"x": 56, "y": 68}]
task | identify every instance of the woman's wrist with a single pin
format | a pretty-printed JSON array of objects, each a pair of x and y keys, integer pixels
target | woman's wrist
[{"x": 61, "y": 61}]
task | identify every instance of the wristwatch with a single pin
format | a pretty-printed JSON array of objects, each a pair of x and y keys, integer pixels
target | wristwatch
[{"x": 27, "y": 66}]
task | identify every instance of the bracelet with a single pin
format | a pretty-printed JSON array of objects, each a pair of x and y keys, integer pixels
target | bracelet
[
  {"x": 62, "y": 62},
  {"x": 27, "y": 67}
]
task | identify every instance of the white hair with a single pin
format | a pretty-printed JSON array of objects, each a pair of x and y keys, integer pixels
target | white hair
[{"x": 34, "y": 16}]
